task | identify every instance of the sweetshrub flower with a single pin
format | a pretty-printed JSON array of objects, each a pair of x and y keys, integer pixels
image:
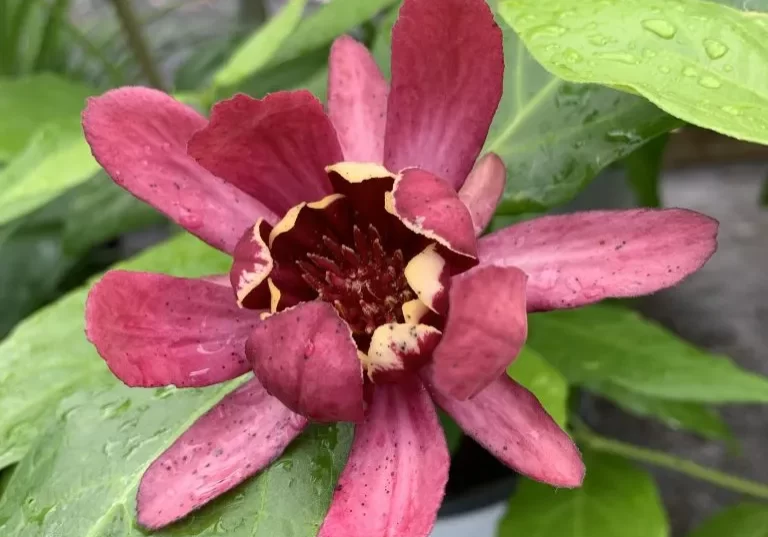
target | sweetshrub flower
[{"x": 358, "y": 290}]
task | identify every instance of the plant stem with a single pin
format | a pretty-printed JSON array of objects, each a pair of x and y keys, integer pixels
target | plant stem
[
  {"x": 665, "y": 460},
  {"x": 137, "y": 42}
]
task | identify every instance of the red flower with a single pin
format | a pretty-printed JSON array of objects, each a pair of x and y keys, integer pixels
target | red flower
[{"x": 361, "y": 293}]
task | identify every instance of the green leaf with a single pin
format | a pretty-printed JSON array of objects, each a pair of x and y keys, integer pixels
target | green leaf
[
  {"x": 47, "y": 357},
  {"x": 27, "y": 104},
  {"x": 680, "y": 415},
  {"x": 45, "y": 250},
  {"x": 453, "y": 433},
  {"x": 54, "y": 161},
  {"x": 743, "y": 520},
  {"x": 382, "y": 43},
  {"x": 545, "y": 382},
  {"x": 258, "y": 50},
  {"x": 694, "y": 59},
  {"x": 644, "y": 171},
  {"x": 82, "y": 475},
  {"x": 555, "y": 136},
  {"x": 617, "y": 499},
  {"x": 612, "y": 344}
]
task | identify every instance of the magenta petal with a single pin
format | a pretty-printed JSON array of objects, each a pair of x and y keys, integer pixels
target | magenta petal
[
  {"x": 139, "y": 136},
  {"x": 447, "y": 71},
  {"x": 156, "y": 330},
  {"x": 306, "y": 357},
  {"x": 508, "y": 421},
  {"x": 580, "y": 258},
  {"x": 240, "y": 436},
  {"x": 395, "y": 477},
  {"x": 357, "y": 101},
  {"x": 275, "y": 149},
  {"x": 485, "y": 330},
  {"x": 483, "y": 189},
  {"x": 430, "y": 207}
]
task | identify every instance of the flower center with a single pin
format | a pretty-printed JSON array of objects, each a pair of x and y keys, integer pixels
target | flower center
[{"x": 366, "y": 284}]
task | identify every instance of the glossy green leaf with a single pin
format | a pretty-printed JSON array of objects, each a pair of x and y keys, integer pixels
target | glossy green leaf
[
  {"x": 644, "y": 171},
  {"x": 617, "y": 499},
  {"x": 27, "y": 104},
  {"x": 545, "y": 382},
  {"x": 743, "y": 520},
  {"x": 693, "y": 417},
  {"x": 697, "y": 60},
  {"x": 258, "y": 50},
  {"x": 81, "y": 476},
  {"x": 615, "y": 345},
  {"x": 54, "y": 161},
  {"x": 48, "y": 358},
  {"x": 453, "y": 433},
  {"x": 46, "y": 250}
]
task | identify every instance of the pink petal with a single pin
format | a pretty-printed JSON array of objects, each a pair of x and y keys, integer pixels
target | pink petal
[
  {"x": 306, "y": 357},
  {"x": 484, "y": 332},
  {"x": 508, "y": 421},
  {"x": 483, "y": 189},
  {"x": 357, "y": 101},
  {"x": 427, "y": 205},
  {"x": 275, "y": 149},
  {"x": 237, "y": 438},
  {"x": 395, "y": 477},
  {"x": 580, "y": 258},
  {"x": 447, "y": 72},
  {"x": 251, "y": 266},
  {"x": 139, "y": 136},
  {"x": 156, "y": 330}
]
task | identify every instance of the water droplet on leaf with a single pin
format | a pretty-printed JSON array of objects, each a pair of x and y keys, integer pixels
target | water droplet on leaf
[
  {"x": 709, "y": 82},
  {"x": 573, "y": 56},
  {"x": 660, "y": 27},
  {"x": 548, "y": 30},
  {"x": 664, "y": 69},
  {"x": 731, "y": 110},
  {"x": 622, "y": 57},
  {"x": 690, "y": 71},
  {"x": 715, "y": 49},
  {"x": 598, "y": 40}
]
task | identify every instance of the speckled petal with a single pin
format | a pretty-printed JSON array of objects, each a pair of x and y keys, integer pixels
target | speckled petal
[
  {"x": 447, "y": 76},
  {"x": 394, "y": 481},
  {"x": 429, "y": 276},
  {"x": 275, "y": 148},
  {"x": 306, "y": 357},
  {"x": 483, "y": 189},
  {"x": 237, "y": 438},
  {"x": 139, "y": 136},
  {"x": 399, "y": 349},
  {"x": 508, "y": 421},
  {"x": 485, "y": 330},
  {"x": 252, "y": 263},
  {"x": 577, "y": 259},
  {"x": 157, "y": 330},
  {"x": 357, "y": 100},
  {"x": 430, "y": 207}
]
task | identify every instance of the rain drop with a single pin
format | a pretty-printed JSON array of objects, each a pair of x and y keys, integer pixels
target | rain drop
[
  {"x": 664, "y": 69},
  {"x": 727, "y": 67},
  {"x": 598, "y": 40},
  {"x": 690, "y": 71},
  {"x": 715, "y": 49},
  {"x": 619, "y": 57},
  {"x": 660, "y": 27},
  {"x": 709, "y": 82},
  {"x": 549, "y": 30},
  {"x": 731, "y": 110},
  {"x": 572, "y": 56}
]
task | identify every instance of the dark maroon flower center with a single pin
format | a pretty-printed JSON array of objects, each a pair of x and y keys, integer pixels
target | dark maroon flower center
[{"x": 364, "y": 282}]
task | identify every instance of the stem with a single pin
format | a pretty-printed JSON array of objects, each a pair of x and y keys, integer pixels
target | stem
[
  {"x": 665, "y": 460},
  {"x": 137, "y": 42}
]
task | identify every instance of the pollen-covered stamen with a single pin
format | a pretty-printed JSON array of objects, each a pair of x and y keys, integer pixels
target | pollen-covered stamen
[{"x": 365, "y": 283}]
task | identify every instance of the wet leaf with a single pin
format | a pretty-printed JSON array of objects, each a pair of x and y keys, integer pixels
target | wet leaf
[
  {"x": 545, "y": 382},
  {"x": 743, "y": 520}
]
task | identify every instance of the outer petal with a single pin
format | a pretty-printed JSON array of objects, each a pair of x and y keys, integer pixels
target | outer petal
[
  {"x": 484, "y": 332},
  {"x": 275, "y": 148},
  {"x": 240, "y": 436},
  {"x": 483, "y": 189},
  {"x": 447, "y": 72},
  {"x": 580, "y": 258},
  {"x": 431, "y": 208},
  {"x": 306, "y": 357},
  {"x": 399, "y": 349},
  {"x": 508, "y": 421},
  {"x": 139, "y": 136},
  {"x": 395, "y": 477},
  {"x": 156, "y": 330},
  {"x": 357, "y": 101}
]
